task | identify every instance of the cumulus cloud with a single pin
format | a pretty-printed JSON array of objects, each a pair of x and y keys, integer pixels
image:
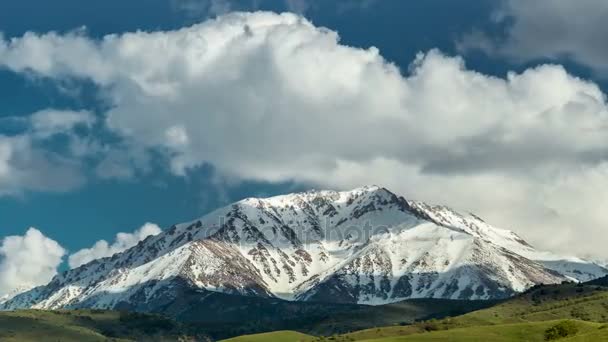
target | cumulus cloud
[
  {"x": 548, "y": 29},
  {"x": 102, "y": 248},
  {"x": 27, "y": 261},
  {"x": 272, "y": 97}
]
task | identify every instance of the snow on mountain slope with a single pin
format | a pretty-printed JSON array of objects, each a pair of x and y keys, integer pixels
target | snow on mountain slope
[
  {"x": 601, "y": 262},
  {"x": 14, "y": 293},
  {"x": 576, "y": 269},
  {"x": 428, "y": 261},
  {"x": 361, "y": 246}
]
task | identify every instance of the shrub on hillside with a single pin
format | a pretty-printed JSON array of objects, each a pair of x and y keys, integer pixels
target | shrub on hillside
[
  {"x": 560, "y": 330},
  {"x": 580, "y": 313},
  {"x": 430, "y": 325}
]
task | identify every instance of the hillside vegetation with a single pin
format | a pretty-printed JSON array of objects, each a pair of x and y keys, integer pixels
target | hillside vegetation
[
  {"x": 526, "y": 317},
  {"x": 90, "y": 326},
  {"x": 566, "y": 312},
  {"x": 532, "y": 331},
  {"x": 222, "y": 316}
]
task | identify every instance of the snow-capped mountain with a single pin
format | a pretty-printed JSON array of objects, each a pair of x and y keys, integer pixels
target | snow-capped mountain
[
  {"x": 365, "y": 246},
  {"x": 6, "y": 297}
]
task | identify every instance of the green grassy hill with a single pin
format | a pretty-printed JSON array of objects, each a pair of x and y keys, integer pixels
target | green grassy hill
[
  {"x": 277, "y": 336},
  {"x": 533, "y": 331},
  {"x": 223, "y": 316},
  {"x": 90, "y": 325},
  {"x": 527, "y": 317},
  {"x": 542, "y": 303}
]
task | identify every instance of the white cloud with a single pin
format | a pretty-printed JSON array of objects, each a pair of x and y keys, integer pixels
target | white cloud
[
  {"x": 28, "y": 261},
  {"x": 271, "y": 97},
  {"x": 122, "y": 162},
  {"x": 49, "y": 122},
  {"x": 548, "y": 29},
  {"x": 102, "y": 248},
  {"x": 176, "y": 136},
  {"x": 29, "y": 163},
  {"x": 27, "y": 166}
]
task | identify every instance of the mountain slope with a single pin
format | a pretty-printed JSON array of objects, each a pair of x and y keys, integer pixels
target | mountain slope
[{"x": 362, "y": 246}]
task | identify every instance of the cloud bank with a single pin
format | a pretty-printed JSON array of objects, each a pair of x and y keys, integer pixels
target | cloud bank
[
  {"x": 102, "y": 248},
  {"x": 27, "y": 261},
  {"x": 271, "y": 97}
]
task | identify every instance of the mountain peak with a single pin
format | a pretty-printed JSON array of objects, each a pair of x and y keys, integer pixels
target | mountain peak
[{"x": 366, "y": 245}]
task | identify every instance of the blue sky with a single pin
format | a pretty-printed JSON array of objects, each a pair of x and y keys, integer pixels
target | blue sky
[{"x": 475, "y": 42}]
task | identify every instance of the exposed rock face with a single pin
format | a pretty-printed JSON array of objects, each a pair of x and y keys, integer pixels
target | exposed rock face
[{"x": 362, "y": 246}]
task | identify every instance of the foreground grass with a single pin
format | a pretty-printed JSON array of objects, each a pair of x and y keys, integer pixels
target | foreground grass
[
  {"x": 33, "y": 325},
  {"x": 534, "y": 331},
  {"x": 277, "y": 336},
  {"x": 524, "y": 318},
  {"x": 530, "y": 331}
]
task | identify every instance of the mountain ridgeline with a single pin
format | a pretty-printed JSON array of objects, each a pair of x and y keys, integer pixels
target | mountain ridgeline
[{"x": 365, "y": 246}]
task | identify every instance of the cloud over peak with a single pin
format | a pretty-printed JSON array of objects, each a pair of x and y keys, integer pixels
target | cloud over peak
[{"x": 271, "y": 97}]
